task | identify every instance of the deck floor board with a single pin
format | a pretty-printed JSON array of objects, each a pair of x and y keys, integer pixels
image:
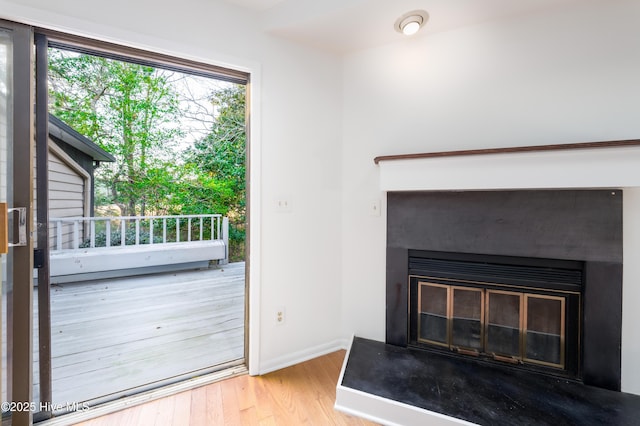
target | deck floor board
[{"x": 115, "y": 334}]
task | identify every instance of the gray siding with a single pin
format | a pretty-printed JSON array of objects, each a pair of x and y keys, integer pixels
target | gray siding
[{"x": 67, "y": 195}]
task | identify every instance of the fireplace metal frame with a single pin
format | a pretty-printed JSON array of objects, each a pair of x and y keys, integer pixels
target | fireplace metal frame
[
  {"x": 565, "y": 289},
  {"x": 422, "y": 281}
]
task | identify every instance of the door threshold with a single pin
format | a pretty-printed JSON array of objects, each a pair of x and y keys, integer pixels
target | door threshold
[{"x": 110, "y": 406}]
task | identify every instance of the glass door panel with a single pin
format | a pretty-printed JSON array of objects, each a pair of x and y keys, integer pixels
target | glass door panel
[
  {"x": 5, "y": 132},
  {"x": 16, "y": 248},
  {"x": 468, "y": 312},
  {"x": 156, "y": 295},
  {"x": 503, "y": 323},
  {"x": 544, "y": 330},
  {"x": 433, "y": 300}
]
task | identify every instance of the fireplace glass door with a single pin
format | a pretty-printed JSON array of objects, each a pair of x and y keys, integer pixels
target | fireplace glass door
[
  {"x": 544, "y": 330},
  {"x": 509, "y": 326},
  {"x": 467, "y": 319},
  {"x": 434, "y": 314},
  {"x": 504, "y": 324}
]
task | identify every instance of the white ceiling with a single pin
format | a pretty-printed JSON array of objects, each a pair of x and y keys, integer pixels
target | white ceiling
[
  {"x": 342, "y": 26},
  {"x": 255, "y": 4}
]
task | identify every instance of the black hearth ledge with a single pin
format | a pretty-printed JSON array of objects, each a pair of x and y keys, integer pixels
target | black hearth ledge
[{"x": 480, "y": 393}]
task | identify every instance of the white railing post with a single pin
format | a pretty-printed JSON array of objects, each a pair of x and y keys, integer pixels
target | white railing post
[
  {"x": 213, "y": 227},
  {"x": 138, "y": 231},
  {"x": 76, "y": 234},
  {"x": 201, "y": 227},
  {"x": 225, "y": 239},
  {"x": 189, "y": 229},
  {"x": 92, "y": 233},
  {"x": 164, "y": 230},
  {"x": 107, "y": 231},
  {"x": 177, "y": 229},
  {"x": 122, "y": 232},
  {"x": 59, "y": 235}
]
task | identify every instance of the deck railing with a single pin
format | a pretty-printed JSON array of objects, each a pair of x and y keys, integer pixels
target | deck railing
[{"x": 114, "y": 231}]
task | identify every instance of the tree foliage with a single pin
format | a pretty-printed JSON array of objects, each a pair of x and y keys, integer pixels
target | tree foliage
[
  {"x": 141, "y": 116},
  {"x": 221, "y": 154},
  {"x": 129, "y": 110},
  {"x": 216, "y": 164}
]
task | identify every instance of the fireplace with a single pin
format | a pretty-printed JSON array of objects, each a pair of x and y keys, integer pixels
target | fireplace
[
  {"x": 527, "y": 279},
  {"x": 524, "y": 312}
]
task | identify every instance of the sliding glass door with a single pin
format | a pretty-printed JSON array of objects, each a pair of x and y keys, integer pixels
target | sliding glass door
[
  {"x": 131, "y": 324},
  {"x": 16, "y": 193}
]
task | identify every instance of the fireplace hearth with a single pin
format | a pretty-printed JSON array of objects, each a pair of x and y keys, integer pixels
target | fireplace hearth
[
  {"x": 527, "y": 278},
  {"x": 446, "y": 390}
]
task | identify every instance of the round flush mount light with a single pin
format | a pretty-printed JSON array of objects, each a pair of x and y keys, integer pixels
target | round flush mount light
[{"x": 411, "y": 22}]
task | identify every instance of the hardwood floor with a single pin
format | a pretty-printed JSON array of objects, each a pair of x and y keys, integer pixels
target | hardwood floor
[{"x": 301, "y": 394}]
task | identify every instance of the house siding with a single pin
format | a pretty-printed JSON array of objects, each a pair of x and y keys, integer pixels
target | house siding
[
  {"x": 66, "y": 198},
  {"x": 82, "y": 160},
  {"x": 68, "y": 191}
]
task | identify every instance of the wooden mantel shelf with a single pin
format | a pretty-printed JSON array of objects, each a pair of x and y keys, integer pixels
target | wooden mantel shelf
[{"x": 519, "y": 149}]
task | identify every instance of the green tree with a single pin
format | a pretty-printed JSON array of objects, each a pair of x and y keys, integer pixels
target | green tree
[
  {"x": 129, "y": 110},
  {"x": 139, "y": 114},
  {"x": 221, "y": 154},
  {"x": 220, "y": 158}
]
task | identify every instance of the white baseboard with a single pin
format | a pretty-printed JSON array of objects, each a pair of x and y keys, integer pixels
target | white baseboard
[{"x": 303, "y": 355}]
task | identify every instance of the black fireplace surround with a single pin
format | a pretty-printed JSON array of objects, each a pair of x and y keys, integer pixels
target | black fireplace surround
[{"x": 580, "y": 226}]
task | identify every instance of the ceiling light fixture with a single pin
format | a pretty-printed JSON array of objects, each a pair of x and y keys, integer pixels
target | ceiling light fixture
[{"x": 411, "y": 22}]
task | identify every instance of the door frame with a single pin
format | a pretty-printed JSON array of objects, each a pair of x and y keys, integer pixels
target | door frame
[
  {"x": 20, "y": 259},
  {"x": 245, "y": 75},
  {"x": 83, "y": 45}
]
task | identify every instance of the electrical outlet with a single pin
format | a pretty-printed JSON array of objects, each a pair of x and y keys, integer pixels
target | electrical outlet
[
  {"x": 280, "y": 315},
  {"x": 374, "y": 208},
  {"x": 283, "y": 205}
]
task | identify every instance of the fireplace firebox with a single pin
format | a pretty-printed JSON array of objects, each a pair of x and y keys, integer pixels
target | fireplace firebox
[{"x": 520, "y": 311}]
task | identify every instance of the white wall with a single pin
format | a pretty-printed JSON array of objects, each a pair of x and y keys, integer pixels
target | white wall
[
  {"x": 296, "y": 138},
  {"x": 570, "y": 76},
  {"x": 631, "y": 292}
]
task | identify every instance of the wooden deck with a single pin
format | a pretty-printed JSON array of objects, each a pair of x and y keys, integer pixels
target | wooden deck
[{"x": 117, "y": 334}]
